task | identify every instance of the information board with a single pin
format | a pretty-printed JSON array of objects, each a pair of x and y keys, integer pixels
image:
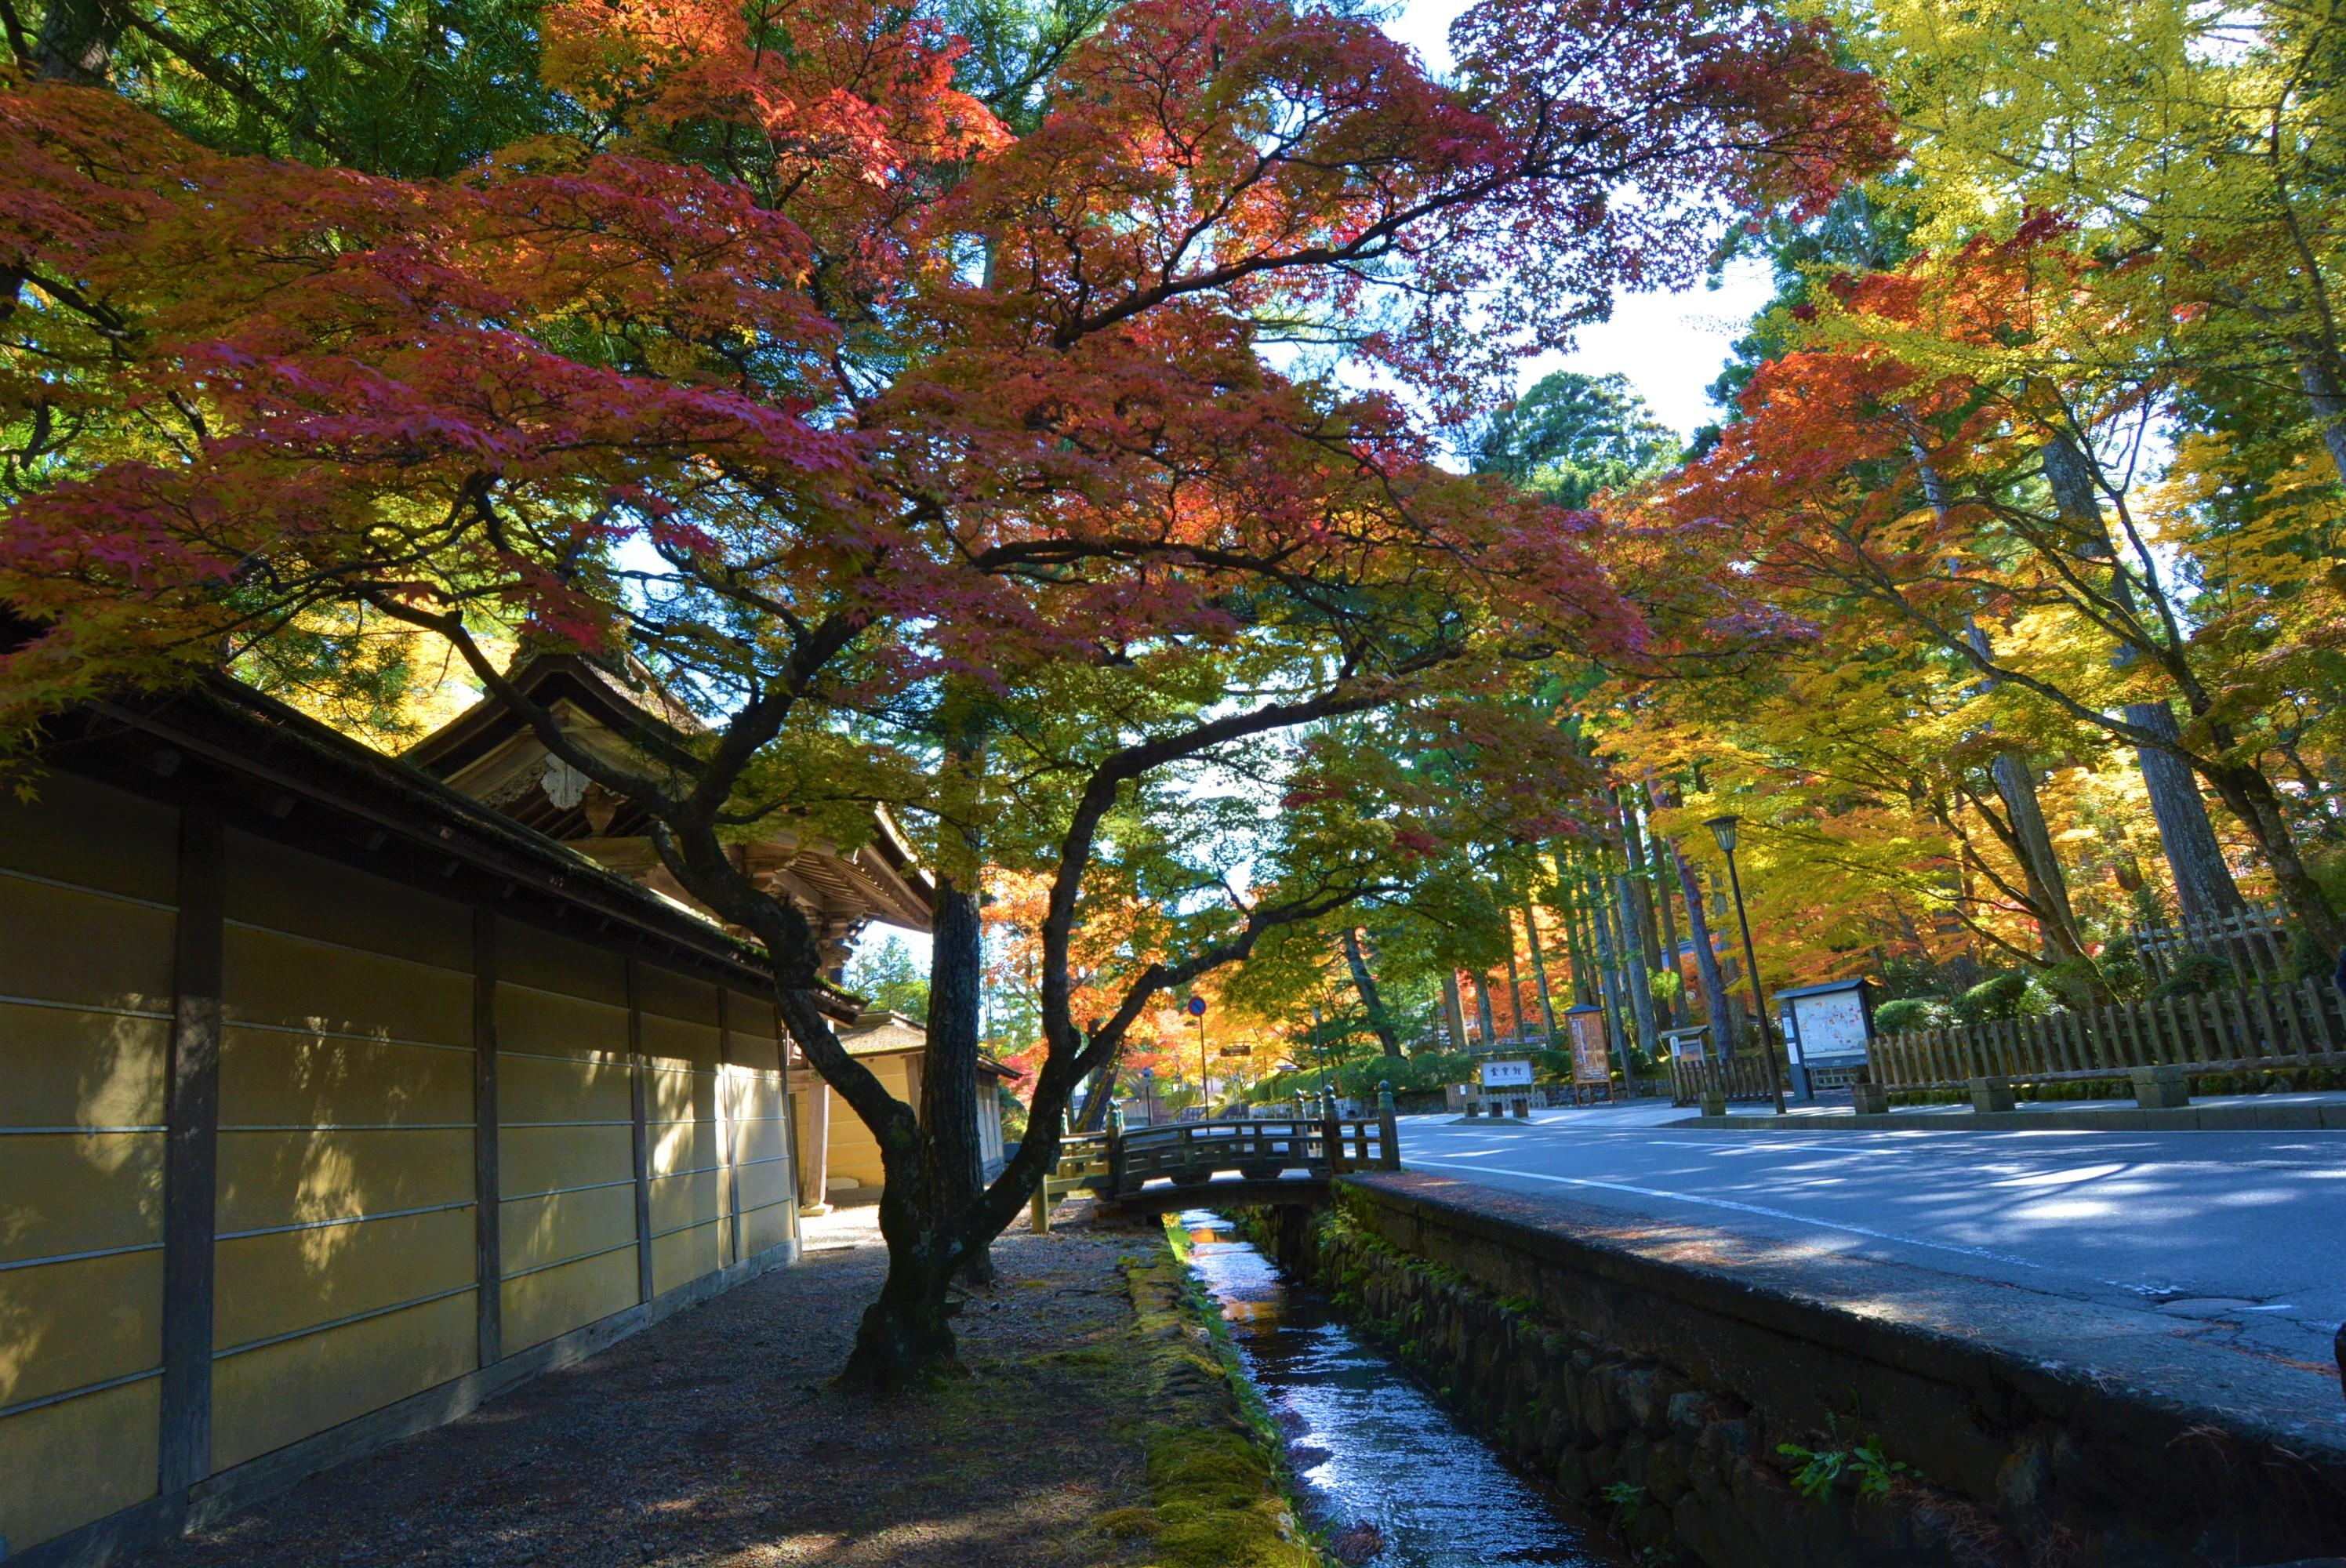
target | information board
[
  {"x": 1592, "y": 1047},
  {"x": 1506, "y": 1075},
  {"x": 1826, "y": 1027}
]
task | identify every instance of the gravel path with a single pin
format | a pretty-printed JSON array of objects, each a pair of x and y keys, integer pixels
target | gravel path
[{"x": 715, "y": 1439}]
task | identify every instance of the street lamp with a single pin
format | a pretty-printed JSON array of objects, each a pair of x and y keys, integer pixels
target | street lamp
[
  {"x": 1197, "y": 1006},
  {"x": 1723, "y": 829}
]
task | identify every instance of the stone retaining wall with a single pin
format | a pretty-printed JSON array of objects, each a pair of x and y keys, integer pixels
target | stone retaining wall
[{"x": 1659, "y": 1397}]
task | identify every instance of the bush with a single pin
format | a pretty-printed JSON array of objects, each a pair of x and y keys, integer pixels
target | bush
[
  {"x": 2122, "y": 969},
  {"x": 1912, "y": 1013},
  {"x": 2195, "y": 974},
  {"x": 2003, "y": 995}
]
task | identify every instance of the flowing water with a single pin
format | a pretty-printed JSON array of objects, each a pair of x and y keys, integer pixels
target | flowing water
[{"x": 1370, "y": 1448}]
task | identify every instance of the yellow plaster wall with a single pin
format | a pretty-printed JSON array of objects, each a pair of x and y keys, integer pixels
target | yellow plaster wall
[
  {"x": 345, "y": 1099},
  {"x": 291, "y": 1279},
  {"x": 684, "y": 1256},
  {"x": 65, "y": 1464},
  {"x": 78, "y": 948},
  {"x": 345, "y": 1166},
  {"x": 854, "y": 1151},
  {"x": 85, "y": 994},
  {"x": 264, "y": 1399},
  {"x": 537, "y": 1231},
  {"x": 685, "y": 1126},
  {"x": 566, "y": 1141},
  {"x": 539, "y": 958},
  {"x": 552, "y": 1301}
]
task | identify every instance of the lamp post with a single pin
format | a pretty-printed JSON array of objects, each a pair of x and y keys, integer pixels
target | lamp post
[
  {"x": 1197, "y": 1016},
  {"x": 1723, "y": 829}
]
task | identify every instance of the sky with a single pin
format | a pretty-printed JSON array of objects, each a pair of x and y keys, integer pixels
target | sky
[{"x": 1671, "y": 346}]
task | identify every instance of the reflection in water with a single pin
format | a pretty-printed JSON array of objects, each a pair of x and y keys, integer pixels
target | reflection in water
[{"x": 1368, "y": 1445}]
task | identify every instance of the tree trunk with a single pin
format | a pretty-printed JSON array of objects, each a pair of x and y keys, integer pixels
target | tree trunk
[
  {"x": 1483, "y": 1009},
  {"x": 949, "y": 1078},
  {"x": 1366, "y": 984},
  {"x": 1100, "y": 1098},
  {"x": 1659, "y": 854},
  {"x": 2254, "y": 800},
  {"x": 1641, "y": 992},
  {"x": 1453, "y": 1010},
  {"x": 2203, "y": 883},
  {"x": 1706, "y": 960},
  {"x": 1730, "y": 968},
  {"x": 2015, "y": 779},
  {"x": 1575, "y": 940},
  {"x": 1515, "y": 986},
  {"x": 77, "y": 41},
  {"x": 1640, "y": 889},
  {"x": 1609, "y": 970},
  {"x": 1539, "y": 973},
  {"x": 2048, "y": 889},
  {"x": 2324, "y": 390},
  {"x": 905, "y": 1340}
]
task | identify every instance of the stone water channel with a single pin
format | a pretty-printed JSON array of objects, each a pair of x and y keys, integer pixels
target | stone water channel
[{"x": 1398, "y": 1482}]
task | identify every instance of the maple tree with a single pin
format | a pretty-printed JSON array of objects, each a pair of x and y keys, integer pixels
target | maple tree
[
  {"x": 783, "y": 366},
  {"x": 1915, "y": 566}
]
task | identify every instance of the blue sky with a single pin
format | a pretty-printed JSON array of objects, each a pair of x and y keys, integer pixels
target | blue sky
[{"x": 1671, "y": 346}]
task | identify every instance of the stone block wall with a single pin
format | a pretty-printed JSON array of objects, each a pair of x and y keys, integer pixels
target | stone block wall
[{"x": 1683, "y": 1457}]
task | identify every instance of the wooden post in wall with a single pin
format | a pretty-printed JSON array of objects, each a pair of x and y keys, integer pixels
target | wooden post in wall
[
  {"x": 810, "y": 1170},
  {"x": 489, "y": 1259},
  {"x": 637, "y": 1109},
  {"x": 191, "y": 1157},
  {"x": 729, "y": 1125}
]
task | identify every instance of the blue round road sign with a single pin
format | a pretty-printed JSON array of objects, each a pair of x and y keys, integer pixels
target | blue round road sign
[{"x": 1197, "y": 1007}]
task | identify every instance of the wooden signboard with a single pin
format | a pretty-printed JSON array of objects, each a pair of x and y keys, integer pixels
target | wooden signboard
[{"x": 1591, "y": 1046}]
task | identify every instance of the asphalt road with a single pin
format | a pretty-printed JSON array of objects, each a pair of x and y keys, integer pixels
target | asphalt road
[{"x": 2240, "y": 1237}]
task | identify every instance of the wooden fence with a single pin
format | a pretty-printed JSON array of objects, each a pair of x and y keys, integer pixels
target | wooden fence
[
  {"x": 2256, "y": 943},
  {"x": 1737, "y": 1078},
  {"x": 2252, "y": 1029}
]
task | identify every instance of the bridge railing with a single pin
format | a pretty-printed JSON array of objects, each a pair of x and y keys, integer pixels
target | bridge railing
[
  {"x": 1118, "y": 1165},
  {"x": 1190, "y": 1154}
]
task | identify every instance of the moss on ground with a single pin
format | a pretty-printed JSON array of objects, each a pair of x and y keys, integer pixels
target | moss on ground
[{"x": 1218, "y": 1492}]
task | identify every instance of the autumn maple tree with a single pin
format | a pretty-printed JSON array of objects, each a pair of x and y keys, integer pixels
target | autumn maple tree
[{"x": 773, "y": 358}]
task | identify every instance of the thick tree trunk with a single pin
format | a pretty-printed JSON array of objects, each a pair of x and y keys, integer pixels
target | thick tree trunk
[
  {"x": 949, "y": 1078},
  {"x": 1539, "y": 973},
  {"x": 1453, "y": 1010},
  {"x": 1641, "y": 889},
  {"x": 1641, "y": 991},
  {"x": 2016, "y": 779},
  {"x": 2203, "y": 883},
  {"x": 1706, "y": 960},
  {"x": 1483, "y": 1009},
  {"x": 905, "y": 1338},
  {"x": 1609, "y": 970},
  {"x": 1515, "y": 986},
  {"x": 1366, "y": 984}
]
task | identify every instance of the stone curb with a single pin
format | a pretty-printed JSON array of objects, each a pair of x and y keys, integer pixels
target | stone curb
[{"x": 2083, "y": 1119}]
